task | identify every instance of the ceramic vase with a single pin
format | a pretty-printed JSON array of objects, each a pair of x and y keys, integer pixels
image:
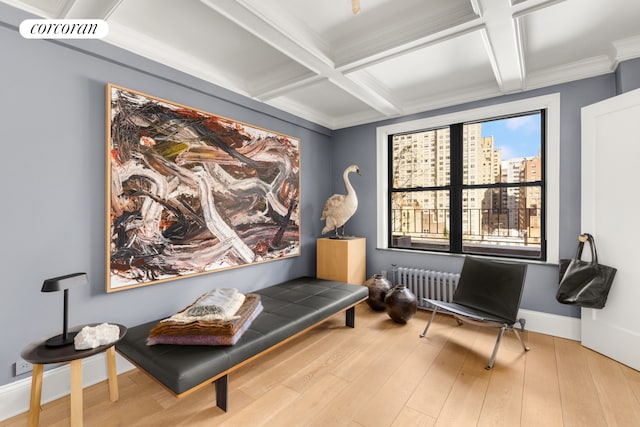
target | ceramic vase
[
  {"x": 400, "y": 304},
  {"x": 378, "y": 288}
]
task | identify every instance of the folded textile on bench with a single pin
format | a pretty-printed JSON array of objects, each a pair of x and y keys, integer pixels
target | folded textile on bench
[
  {"x": 217, "y": 301},
  {"x": 225, "y": 311},
  {"x": 227, "y": 331},
  {"x": 206, "y": 339}
]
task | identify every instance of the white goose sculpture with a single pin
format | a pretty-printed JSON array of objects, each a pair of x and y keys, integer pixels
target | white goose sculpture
[{"x": 340, "y": 207}]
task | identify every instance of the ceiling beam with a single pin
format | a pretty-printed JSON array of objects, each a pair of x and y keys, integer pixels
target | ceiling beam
[
  {"x": 523, "y": 8},
  {"x": 278, "y": 90},
  {"x": 504, "y": 38},
  {"x": 503, "y": 45},
  {"x": 253, "y": 21}
]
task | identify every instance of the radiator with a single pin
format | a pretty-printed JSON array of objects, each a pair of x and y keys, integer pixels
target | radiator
[{"x": 438, "y": 285}]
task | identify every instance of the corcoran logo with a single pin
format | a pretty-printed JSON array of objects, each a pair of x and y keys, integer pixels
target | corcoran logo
[{"x": 64, "y": 28}]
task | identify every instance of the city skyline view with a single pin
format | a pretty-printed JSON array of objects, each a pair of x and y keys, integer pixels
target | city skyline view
[{"x": 492, "y": 219}]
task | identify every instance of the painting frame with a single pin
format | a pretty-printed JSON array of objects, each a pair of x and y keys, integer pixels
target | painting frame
[{"x": 189, "y": 192}]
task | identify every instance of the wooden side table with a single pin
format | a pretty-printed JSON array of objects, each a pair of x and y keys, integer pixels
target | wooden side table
[
  {"x": 39, "y": 355},
  {"x": 343, "y": 260}
]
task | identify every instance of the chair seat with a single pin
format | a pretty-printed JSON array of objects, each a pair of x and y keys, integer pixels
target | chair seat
[
  {"x": 488, "y": 294},
  {"x": 472, "y": 313}
]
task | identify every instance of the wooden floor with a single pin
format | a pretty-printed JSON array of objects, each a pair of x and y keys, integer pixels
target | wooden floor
[{"x": 382, "y": 374}]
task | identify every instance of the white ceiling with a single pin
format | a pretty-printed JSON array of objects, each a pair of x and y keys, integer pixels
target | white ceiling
[{"x": 319, "y": 61}]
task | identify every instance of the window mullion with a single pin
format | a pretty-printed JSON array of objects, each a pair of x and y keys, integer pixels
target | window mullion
[{"x": 455, "y": 193}]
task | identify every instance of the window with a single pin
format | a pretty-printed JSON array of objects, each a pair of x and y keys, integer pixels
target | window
[
  {"x": 478, "y": 191},
  {"x": 500, "y": 191}
]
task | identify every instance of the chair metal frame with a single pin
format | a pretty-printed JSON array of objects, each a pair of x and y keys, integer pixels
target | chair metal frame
[{"x": 465, "y": 314}]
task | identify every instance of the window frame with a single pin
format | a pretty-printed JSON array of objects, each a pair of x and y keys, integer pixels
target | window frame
[{"x": 550, "y": 103}]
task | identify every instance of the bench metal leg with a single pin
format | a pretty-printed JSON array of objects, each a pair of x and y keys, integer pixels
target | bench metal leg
[
  {"x": 222, "y": 392},
  {"x": 351, "y": 317}
]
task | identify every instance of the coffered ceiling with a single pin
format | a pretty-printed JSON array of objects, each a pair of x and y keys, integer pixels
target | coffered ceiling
[{"x": 318, "y": 60}]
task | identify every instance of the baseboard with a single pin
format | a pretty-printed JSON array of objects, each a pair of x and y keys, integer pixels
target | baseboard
[
  {"x": 14, "y": 397},
  {"x": 55, "y": 384},
  {"x": 552, "y": 324}
]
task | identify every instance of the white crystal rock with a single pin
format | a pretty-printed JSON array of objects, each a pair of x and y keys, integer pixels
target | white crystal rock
[{"x": 95, "y": 336}]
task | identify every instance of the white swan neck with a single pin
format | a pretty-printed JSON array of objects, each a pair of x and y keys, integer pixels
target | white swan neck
[{"x": 347, "y": 183}]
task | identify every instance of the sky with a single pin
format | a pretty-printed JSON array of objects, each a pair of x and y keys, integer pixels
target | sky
[{"x": 516, "y": 136}]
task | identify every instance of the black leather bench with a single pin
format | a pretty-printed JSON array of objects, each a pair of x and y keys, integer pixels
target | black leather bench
[{"x": 289, "y": 309}]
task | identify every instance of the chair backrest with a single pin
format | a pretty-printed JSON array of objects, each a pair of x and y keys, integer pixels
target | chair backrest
[{"x": 494, "y": 287}]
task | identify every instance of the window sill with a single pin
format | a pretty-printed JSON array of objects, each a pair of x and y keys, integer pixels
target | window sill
[{"x": 450, "y": 255}]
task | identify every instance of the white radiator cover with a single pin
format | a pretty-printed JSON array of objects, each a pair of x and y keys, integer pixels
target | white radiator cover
[{"x": 438, "y": 285}]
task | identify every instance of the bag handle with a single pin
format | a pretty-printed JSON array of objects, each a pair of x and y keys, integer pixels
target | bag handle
[
  {"x": 588, "y": 238},
  {"x": 581, "y": 240}
]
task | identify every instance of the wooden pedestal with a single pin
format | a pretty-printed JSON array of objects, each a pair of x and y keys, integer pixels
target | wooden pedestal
[{"x": 341, "y": 260}]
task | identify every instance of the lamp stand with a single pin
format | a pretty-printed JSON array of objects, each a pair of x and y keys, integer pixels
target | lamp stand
[{"x": 66, "y": 337}]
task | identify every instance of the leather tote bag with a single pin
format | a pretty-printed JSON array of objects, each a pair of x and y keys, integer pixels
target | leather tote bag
[{"x": 585, "y": 283}]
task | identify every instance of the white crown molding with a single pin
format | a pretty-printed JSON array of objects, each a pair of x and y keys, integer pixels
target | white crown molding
[
  {"x": 302, "y": 111},
  {"x": 415, "y": 107},
  {"x": 626, "y": 49},
  {"x": 267, "y": 94},
  {"x": 578, "y": 70},
  {"x": 359, "y": 118},
  {"x": 453, "y": 98},
  {"x": 148, "y": 47},
  {"x": 462, "y": 97}
]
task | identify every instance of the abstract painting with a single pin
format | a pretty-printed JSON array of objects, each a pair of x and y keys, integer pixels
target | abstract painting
[{"x": 189, "y": 192}]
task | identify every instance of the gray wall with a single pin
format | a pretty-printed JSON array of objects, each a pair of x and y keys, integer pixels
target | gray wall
[
  {"x": 53, "y": 126},
  {"x": 358, "y": 145},
  {"x": 53, "y": 184},
  {"x": 628, "y": 76}
]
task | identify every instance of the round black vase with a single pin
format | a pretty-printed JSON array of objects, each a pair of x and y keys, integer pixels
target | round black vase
[
  {"x": 378, "y": 288},
  {"x": 400, "y": 304}
]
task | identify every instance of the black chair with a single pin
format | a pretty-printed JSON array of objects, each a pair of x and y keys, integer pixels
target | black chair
[{"x": 488, "y": 294}]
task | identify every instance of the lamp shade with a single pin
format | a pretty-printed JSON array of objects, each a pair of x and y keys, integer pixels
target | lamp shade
[{"x": 64, "y": 282}]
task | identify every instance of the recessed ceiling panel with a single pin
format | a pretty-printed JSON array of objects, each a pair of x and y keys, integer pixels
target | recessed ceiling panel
[
  {"x": 576, "y": 30},
  {"x": 196, "y": 30},
  {"x": 394, "y": 24},
  {"x": 330, "y": 18},
  {"x": 332, "y": 27},
  {"x": 324, "y": 100},
  {"x": 453, "y": 65}
]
